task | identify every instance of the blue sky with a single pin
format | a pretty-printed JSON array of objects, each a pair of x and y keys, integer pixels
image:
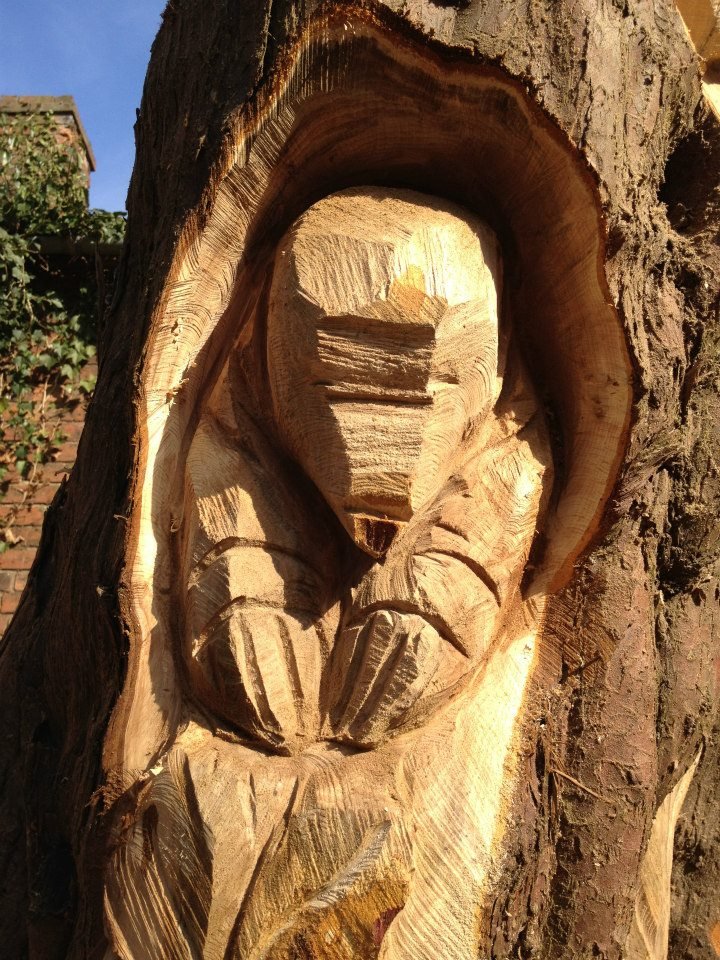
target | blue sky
[{"x": 95, "y": 50}]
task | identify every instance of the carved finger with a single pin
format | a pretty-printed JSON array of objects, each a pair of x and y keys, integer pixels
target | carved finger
[
  {"x": 397, "y": 665},
  {"x": 259, "y": 668}
]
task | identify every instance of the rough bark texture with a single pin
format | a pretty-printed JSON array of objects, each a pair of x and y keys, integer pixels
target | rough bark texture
[{"x": 629, "y": 692}]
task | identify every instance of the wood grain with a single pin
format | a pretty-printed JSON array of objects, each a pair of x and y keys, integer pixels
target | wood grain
[
  {"x": 351, "y": 556},
  {"x": 578, "y": 132}
]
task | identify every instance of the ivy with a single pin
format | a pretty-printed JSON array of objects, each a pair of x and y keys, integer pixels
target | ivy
[{"x": 48, "y": 303}]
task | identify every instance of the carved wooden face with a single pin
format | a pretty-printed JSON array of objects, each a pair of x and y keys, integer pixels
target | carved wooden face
[{"x": 382, "y": 350}]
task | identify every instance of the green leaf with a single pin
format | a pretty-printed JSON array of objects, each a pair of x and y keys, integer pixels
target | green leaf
[{"x": 47, "y": 319}]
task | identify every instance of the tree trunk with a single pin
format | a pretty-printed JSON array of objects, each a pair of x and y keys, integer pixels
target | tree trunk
[{"x": 556, "y": 796}]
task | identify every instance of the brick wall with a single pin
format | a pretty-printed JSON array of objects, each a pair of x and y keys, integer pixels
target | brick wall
[
  {"x": 69, "y": 125},
  {"x": 23, "y": 503}
]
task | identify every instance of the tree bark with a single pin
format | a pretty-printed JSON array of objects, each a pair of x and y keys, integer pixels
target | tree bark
[{"x": 623, "y": 702}]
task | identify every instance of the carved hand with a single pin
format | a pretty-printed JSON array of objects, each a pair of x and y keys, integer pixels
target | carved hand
[{"x": 425, "y": 617}]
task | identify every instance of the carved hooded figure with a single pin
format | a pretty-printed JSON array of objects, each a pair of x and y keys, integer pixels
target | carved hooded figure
[
  {"x": 385, "y": 366},
  {"x": 345, "y": 469},
  {"x": 362, "y": 490}
]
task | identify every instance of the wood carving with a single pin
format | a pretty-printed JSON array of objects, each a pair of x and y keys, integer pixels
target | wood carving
[
  {"x": 702, "y": 21},
  {"x": 385, "y": 368},
  {"x": 378, "y": 618},
  {"x": 361, "y": 495},
  {"x": 351, "y": 522}
]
